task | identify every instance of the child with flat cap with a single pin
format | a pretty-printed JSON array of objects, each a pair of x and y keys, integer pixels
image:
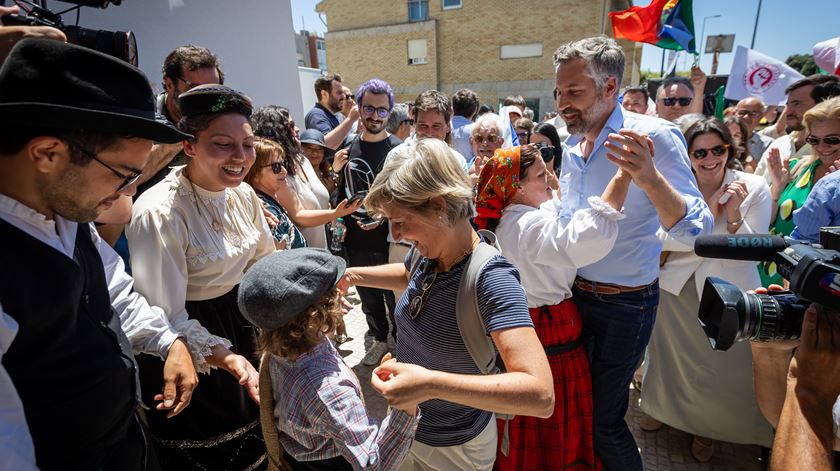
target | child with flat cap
[{"x": 322, "y": 421}]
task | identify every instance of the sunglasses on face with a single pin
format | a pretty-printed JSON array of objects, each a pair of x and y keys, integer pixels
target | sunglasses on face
[
  {"x": 524, "y": 137},
  {"x": 429, "y": 275},
  {"x": 276, "y": 167},
  {"x": 827, "y": 140},
  {"x": 127, "y": 180},
  {"x": 717, "y": 151},
  {"x": 380, "y": 112},
  {"x": 685, "y": 101},
  {"x": 492, "y": 139}
]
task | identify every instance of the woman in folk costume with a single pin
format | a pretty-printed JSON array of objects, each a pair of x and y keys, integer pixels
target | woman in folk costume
[{"x": 515, "y": 200}]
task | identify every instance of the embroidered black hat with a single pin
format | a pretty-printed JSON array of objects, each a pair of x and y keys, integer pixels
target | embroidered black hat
[
  {"x": 279, "y": 287},
  {"x": 213, "y": 98},
  {"x": 50, "y": 84}
]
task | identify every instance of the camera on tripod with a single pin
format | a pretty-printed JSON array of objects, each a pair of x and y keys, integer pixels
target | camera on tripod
[
  {"x": 727, "y": 314},
  {"x": 120, "y": 44}
]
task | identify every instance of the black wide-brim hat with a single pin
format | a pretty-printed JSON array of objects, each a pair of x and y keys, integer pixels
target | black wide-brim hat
[{"x": 49, "y": 84}]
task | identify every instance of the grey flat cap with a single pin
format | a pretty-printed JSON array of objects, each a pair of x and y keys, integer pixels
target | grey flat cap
[{"x": 279, "y": 287}]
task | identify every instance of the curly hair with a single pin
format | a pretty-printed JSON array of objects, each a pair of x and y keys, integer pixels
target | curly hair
[
  {"x": 273, "y": 122},
  {"x": 307, "y": 330}
]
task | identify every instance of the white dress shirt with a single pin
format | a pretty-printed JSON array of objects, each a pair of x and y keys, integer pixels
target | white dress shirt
[
  {"x": 548, "y": 250},
  {"x": 178, "y": 256},
  {"x": 682, "y": 262},
  {"x": 146, "y": 327}
]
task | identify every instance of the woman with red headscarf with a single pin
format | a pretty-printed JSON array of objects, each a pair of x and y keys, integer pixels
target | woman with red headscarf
[{"x": 515, "y": 200}]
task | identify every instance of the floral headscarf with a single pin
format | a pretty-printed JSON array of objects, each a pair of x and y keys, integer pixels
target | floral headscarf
[{"x": 498, "y": 182}]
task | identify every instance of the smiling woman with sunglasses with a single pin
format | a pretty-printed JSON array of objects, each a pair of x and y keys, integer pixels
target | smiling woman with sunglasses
[
  {"x": 688, "y": 385},
  {"x": 192, "y": 236},
  {"x": 267, "y": 176},
  {"x": 427, "y": 198},
  {"x": 792, "y": 185}
]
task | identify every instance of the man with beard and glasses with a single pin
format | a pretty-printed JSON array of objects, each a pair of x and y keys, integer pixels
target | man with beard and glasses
[
  {"x": 366, "y": 245},
  {"x": 618, "y": 295},
  {"x": 326, "y": 115},
  {"x": 800, "y": 99}
]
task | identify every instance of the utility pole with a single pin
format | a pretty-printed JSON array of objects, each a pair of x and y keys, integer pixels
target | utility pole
[{"x": 755, "y": 28}]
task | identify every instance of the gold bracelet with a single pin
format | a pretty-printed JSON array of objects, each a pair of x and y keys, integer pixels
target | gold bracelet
[{"x": 735, "y": 223}]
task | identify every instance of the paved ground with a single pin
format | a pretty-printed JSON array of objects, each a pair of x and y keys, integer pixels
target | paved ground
[{"x": 666, "y": 449}]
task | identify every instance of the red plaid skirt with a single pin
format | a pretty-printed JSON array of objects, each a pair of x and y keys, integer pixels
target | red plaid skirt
[{"x": 564, "y": 440}]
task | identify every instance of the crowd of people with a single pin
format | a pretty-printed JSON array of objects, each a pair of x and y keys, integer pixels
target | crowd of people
[{"x": 175, "y": 294}]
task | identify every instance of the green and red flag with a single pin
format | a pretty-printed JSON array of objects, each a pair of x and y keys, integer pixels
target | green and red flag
[{"x": 668, "y": 24}]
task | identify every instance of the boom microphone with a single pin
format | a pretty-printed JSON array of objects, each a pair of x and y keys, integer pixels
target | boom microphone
[{"x": 751, "y": 247}]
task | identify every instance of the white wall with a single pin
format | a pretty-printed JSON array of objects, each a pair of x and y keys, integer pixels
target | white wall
[
  {"x": 254, "y": 39},
  {"x": 307, "y": 76}
]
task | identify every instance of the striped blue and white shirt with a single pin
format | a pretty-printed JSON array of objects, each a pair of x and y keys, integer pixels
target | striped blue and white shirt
[{"x": 432, "y": 340}]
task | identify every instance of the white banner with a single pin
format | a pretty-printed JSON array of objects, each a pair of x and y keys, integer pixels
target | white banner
[
  {"x": 827, "y": 55},
  {"x": 758, "y": 75}
]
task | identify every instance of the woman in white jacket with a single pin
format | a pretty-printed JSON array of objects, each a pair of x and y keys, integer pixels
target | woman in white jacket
[
  {"x": 515, "y": 199},
  {"x": 688, "y": 385}
]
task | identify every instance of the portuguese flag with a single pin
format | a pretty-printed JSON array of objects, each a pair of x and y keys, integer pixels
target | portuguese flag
[{"x": 668, "y": 24}]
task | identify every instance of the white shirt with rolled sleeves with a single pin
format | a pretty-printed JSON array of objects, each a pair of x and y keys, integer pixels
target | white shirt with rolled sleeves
[
  {"x": 634, "y": 260},
  {"x": 146, "y": 327}
]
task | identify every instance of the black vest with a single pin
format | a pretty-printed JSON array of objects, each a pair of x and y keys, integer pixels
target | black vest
[{"x": 70, "y": 361}]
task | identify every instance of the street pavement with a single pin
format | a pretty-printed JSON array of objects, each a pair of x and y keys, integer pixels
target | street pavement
[{"x": 665, "y": 449}]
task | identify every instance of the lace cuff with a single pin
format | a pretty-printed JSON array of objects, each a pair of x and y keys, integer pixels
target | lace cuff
[
  {"x": 201, "y": 342},
  {"x": 605, "y": 210}
]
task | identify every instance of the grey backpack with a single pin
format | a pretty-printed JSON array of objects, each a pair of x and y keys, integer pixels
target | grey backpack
[{"x": 470, "y": 323}]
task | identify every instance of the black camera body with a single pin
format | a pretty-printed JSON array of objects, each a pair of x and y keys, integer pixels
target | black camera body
[
  {"x": 120, "y": 44},
  {"x": 727, "y": 314}
]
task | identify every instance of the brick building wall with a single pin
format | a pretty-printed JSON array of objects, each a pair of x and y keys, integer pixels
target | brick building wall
[{"x": 369, "y": 38}]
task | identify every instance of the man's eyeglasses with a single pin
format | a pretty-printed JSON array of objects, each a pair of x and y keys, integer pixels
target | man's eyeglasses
[
  {"x": 745, "y": 113},
  {"x": 524, "y": 137},
  {"x": 429, "y": 274},
  {"x": 492, "y": 139},
  {"x": 717, "y": 151},
  {"x": 189, "y": 84},
  {"x": 684, "y": 101},
  {"x": 380, "y": 112},
  {"x": 827, "y": 140},
  {"x": 276, "y": 167},
  {"x": 127, "y": 180}
]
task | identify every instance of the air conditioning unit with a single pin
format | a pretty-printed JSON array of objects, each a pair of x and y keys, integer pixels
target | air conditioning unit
[{"x": 417, "y": 60}]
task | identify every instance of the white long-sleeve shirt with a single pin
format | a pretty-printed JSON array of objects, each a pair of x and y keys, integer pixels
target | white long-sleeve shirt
[
  {"x": 146, "y": 327},
  {"x": 548, "y": 249}
]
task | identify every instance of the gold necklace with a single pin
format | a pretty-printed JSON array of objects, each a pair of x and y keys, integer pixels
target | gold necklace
[
  {"x": 214, "y": 222},
  {"x": 475, "y": 241}
]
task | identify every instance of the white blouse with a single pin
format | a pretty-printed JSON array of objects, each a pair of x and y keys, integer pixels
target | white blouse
[
  {"x": 682, "y": 263},
  {"x": 548, "y": 250},
  {"x": 188, "y": 243},
  {"x": 313, "y": 195}
]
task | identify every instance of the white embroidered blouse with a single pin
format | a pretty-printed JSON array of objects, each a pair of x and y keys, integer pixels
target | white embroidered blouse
[
  {"x": 548, "y": 250},
  {"x": 188, "y": 243}
]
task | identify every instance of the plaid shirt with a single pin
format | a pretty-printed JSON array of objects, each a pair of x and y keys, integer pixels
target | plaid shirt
[{"x": 320, "y": 413}]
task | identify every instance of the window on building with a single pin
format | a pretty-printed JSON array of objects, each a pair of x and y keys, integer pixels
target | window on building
[
  {"x": 417, "y": 51},
  {"x": 450, "y": 4},
  {"x": 518, "y": 51},
  {"x": 418, "y": 10}
]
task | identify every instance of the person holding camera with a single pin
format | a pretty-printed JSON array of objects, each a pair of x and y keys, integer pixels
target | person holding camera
[{"x": 688, "y": 385}]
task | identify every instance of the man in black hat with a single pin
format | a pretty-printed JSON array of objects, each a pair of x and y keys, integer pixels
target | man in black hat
[{"x": 76, "y": 129}]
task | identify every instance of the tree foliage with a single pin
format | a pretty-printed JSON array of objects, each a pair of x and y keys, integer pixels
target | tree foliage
[{"x": 804, "y": 63}]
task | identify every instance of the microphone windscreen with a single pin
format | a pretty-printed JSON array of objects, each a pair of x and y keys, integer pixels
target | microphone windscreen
[{"x": 756, "y": 247}]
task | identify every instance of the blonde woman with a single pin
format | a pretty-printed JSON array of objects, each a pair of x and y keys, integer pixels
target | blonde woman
[
  {"x": 792, "y": 185},
  {"x": 427, "y": 198}
]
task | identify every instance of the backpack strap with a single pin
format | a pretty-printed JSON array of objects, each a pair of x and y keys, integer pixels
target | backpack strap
[
  {"x": 470, "y": 323},
  {"x": 267, "y": 423}
]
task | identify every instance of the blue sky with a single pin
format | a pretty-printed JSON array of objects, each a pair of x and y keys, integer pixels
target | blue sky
[{"x": 785, "y": 27}]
